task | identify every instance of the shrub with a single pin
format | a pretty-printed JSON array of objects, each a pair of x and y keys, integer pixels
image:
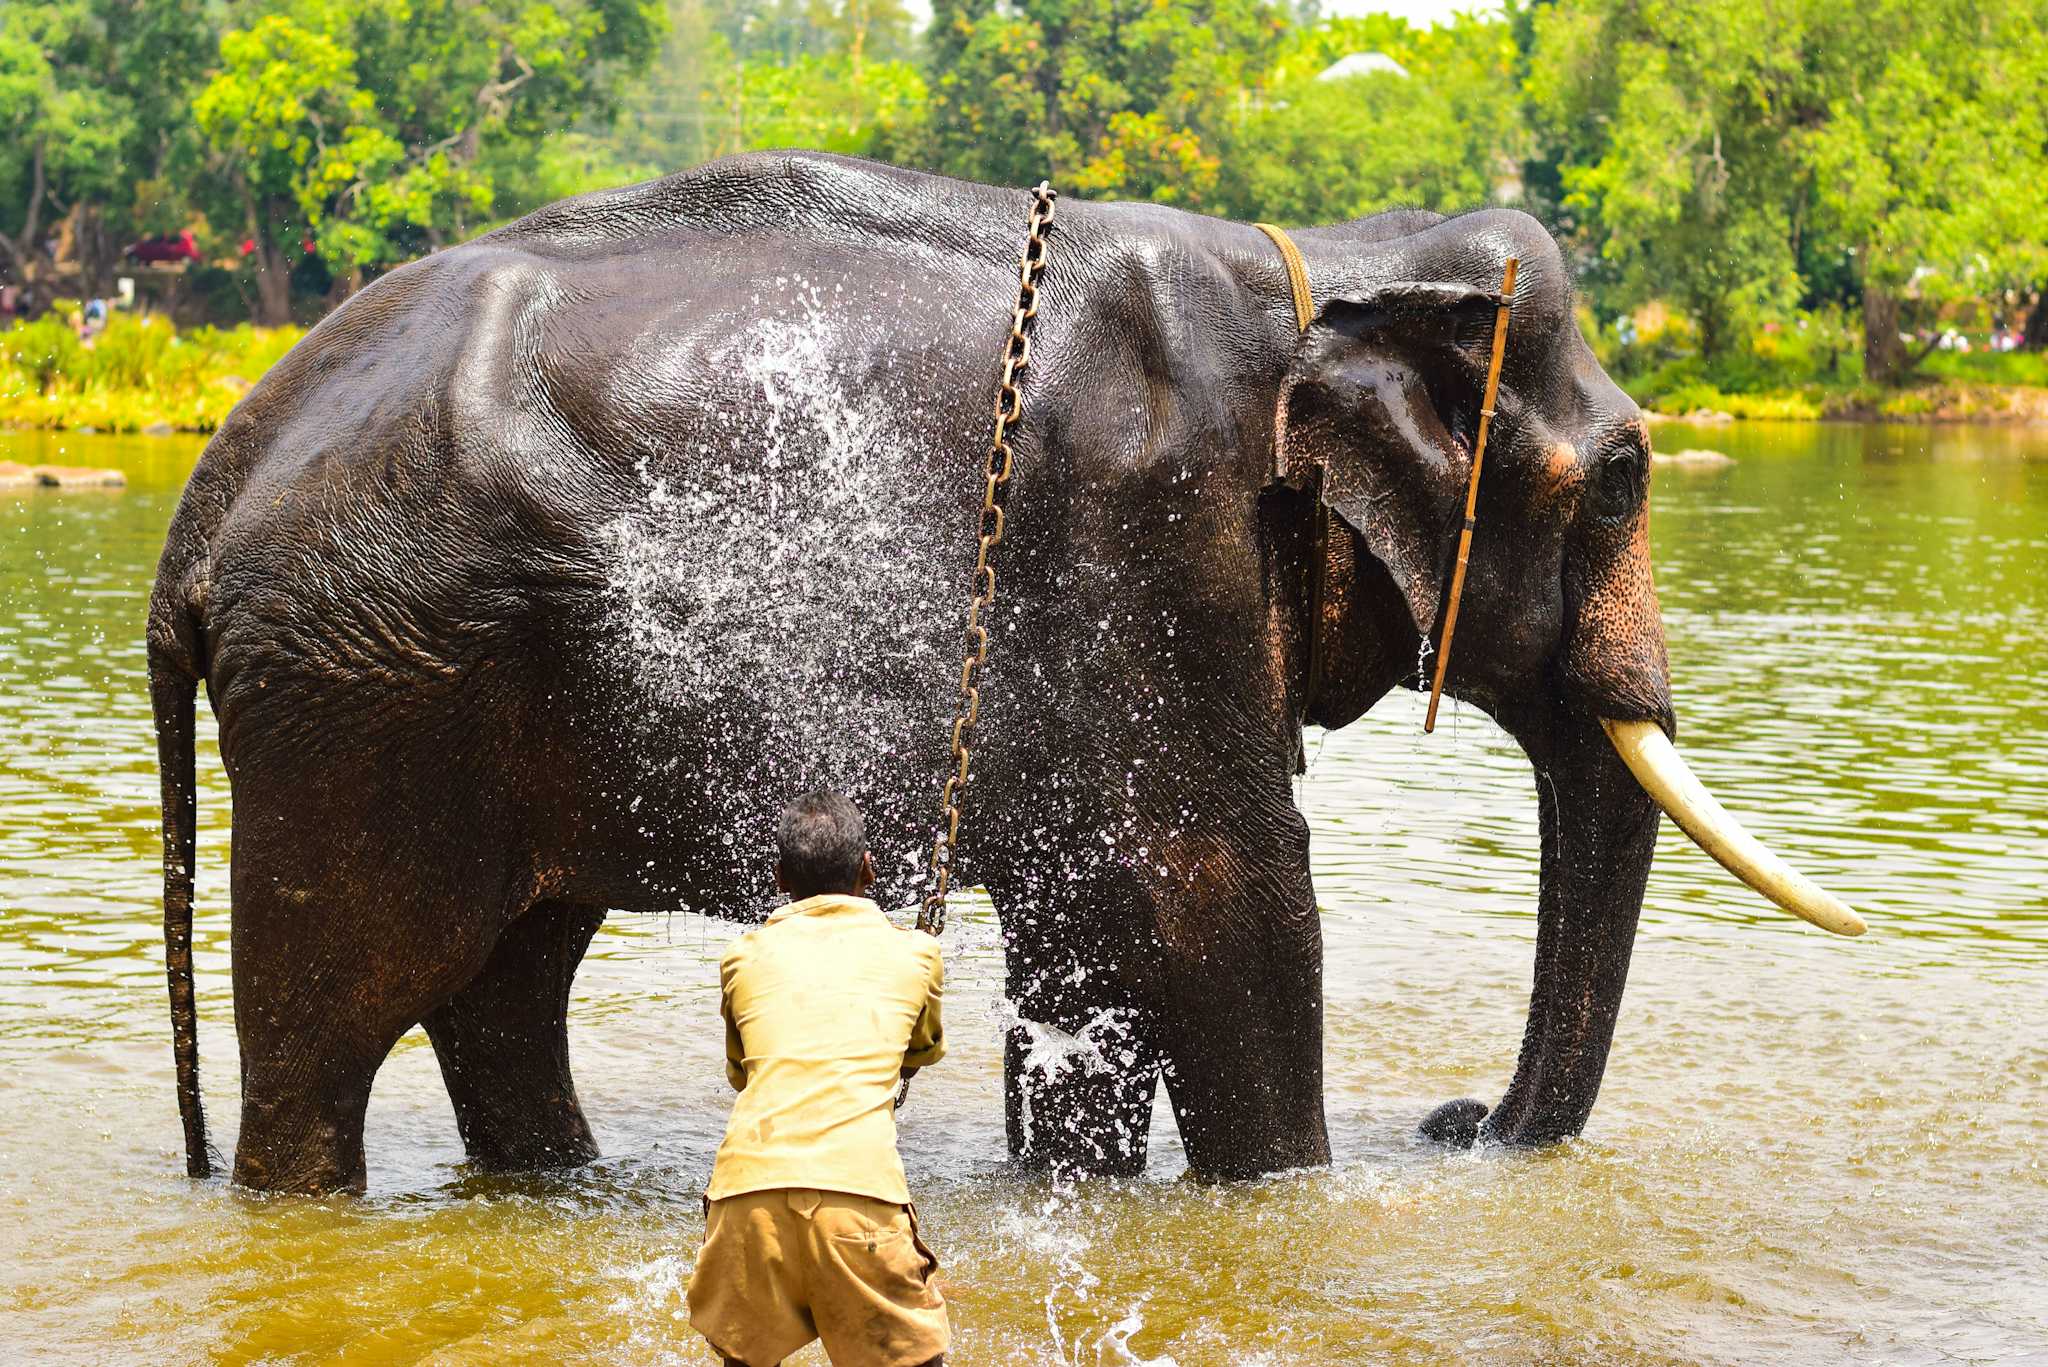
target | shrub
[
  {"x": 42, "y": 351},
  {"x": 1989, "y": 367},
  {"x": 139, "y": 372}
]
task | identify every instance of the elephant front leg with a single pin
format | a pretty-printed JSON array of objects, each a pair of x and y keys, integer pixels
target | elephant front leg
[
  {"x": 1242, "y": 1024},
  {"x": 1202, "y": 963},
  {"x": 1078, "y": 1103},
  {"x": 1080, "y": 1058}
]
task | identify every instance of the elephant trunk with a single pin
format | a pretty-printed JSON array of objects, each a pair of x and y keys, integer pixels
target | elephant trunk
[{"x": 1599, "y": 829}]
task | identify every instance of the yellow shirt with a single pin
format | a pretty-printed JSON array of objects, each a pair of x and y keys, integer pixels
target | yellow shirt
[{"x": 824, "y": 1006}]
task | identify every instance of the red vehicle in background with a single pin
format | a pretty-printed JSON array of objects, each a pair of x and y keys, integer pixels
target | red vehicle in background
[{"x": 164, "y": 250}]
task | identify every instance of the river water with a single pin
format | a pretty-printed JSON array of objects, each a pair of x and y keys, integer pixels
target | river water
[{"x": 1807, "y": 1150}]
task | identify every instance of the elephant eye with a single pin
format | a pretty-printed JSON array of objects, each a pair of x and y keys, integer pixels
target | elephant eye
[{"x": 1618, "y": 485}]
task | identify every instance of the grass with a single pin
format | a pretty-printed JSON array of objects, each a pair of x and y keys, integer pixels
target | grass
[
  {"x": 140, "y": 374},
  {"x": 1989, "y": 367},
  {"x": 1812, "y": 369},
  {"x": 1928, "y": 398}
]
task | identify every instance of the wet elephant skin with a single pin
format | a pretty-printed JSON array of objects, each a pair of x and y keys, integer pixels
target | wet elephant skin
[{"x": 538, "y": 575}]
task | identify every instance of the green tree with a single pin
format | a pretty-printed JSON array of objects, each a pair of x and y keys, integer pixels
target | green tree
[
  {"x": 57, "y": 127},
  {"x": 92, "y": 105},
  {"x": 1672, "y": 126},
  {"x": 361, "y": 128},
  {"x": 280, "y": 116},
  {"x": 786, "y": 30},
  {"x": 1442, "y": 131},
  {"x": 736, "y": 75},
  {"x": 1933, "y": 166},
  {"x": 829, "y": 103},
  {"x": 1126, "y": 98},
  {"x": 666, "y": 117}
]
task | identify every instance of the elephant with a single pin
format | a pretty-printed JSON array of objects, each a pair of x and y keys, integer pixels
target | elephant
[{"x": 532, "y": 581}]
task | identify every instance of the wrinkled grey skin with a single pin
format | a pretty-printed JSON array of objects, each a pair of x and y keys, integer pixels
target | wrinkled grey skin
[{"x": 397, "y": 571}]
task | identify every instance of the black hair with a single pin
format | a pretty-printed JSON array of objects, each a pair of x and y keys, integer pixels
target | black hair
[{"x": 820, "y": 844}]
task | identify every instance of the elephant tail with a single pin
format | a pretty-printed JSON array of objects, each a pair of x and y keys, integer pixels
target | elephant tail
[{"x": 173, "y": 692}]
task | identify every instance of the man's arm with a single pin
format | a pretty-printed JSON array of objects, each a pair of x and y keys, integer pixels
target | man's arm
[
  {"x": 735, "y": 1048},
  {"x": 928, "y": 1035}
]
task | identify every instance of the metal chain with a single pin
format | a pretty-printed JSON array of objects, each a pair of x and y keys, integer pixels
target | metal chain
[{"x": 931, "y": 916}]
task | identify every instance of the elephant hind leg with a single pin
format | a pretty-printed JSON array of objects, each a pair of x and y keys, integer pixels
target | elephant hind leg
[
  {"x": 304, "y": 1092},
  {"x": 503, "y": 1045},
  {"x": 320, "y": 998}
]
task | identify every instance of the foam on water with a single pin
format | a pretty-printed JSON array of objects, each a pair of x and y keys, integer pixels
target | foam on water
[
  {"x": 656, "y": 1294},
  {"x": 658, "y": 1282}
]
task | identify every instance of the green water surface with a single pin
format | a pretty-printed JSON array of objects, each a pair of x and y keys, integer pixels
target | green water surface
[{"x": 1807, "y": 1149}]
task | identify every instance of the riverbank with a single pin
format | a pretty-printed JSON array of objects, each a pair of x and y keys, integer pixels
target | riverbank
[
  {"x": 141, "y": 375},
  {"x": 1780, "y": 385},
  {"x": 1937, "y": 401}
]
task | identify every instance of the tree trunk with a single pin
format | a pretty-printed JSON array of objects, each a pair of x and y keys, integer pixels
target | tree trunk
[
  {"x": 273, "y": 273},
  {"x": 22, "y": 251},
  {"x": 94, "y": 247},
  {"x": 2034, "y": 337},
  {"x": 1884, "y": 355},
  {"x": 345, "y": 284},
  {"x": 273, "y": 284}
]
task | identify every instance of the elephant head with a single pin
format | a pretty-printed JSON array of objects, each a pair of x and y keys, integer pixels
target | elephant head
[{"x": 1559, "y": 639}]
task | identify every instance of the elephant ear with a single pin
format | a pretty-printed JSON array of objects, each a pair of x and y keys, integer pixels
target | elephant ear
[{"x": 1356, "y": 418}]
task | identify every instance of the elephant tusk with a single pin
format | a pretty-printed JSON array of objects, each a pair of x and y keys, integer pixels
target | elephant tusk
[{"x": 1663, "y": 772}]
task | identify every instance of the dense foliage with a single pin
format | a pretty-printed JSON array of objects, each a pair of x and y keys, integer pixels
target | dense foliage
[
  {"x": 139, "y": 374},
  {"x": 1750, "y": 188}
]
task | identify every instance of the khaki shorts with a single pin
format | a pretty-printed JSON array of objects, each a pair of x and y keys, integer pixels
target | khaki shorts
[{"x": 782, "y": 1267}]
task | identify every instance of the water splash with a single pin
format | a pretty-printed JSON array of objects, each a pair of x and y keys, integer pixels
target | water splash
[
  {"x": 783, "y": 592},
  {"x": 657, "y": 1283},
  {"x": 1053, "y": 1231},
  {"x": 1050, "y": 1052}
]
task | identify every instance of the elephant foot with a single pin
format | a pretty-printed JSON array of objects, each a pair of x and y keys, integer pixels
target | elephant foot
[
  {"x": 319, "y": 1170},
  {"x": 302, "y": 1131},
  {"x": 1455, "y": 1124},
  {"x": 558, "y": 1139}
]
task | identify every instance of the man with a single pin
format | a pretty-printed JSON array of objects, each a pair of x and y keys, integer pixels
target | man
[{"x": 808, "y": 1228}]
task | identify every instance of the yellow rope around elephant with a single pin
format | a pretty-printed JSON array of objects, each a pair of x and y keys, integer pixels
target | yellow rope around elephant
[
  {"x": 1304, "y": 314},
  {"x": 1297, "y": 274}
]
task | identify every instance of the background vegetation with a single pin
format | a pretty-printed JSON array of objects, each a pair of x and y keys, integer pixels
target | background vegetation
[{"x": 1791, "y": 198}]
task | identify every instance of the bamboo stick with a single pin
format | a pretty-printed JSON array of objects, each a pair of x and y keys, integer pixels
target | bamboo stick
[{"x": 1500, "y": 342}]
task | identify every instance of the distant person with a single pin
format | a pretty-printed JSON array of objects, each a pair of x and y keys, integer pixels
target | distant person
[{"x": 808, "y": 1228}]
